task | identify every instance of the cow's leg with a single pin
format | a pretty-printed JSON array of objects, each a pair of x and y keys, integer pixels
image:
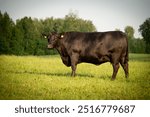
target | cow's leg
[
  {"x": 115, "y": 64},
  {"x": 124, "y": 65},
  {"x": 115, "y": 70},
  {"x": 74, "y": 60},
  {"x": 126, "y": 70}
]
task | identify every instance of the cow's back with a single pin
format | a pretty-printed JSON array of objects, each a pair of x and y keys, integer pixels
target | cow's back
[{"x": 91, "y": 40}]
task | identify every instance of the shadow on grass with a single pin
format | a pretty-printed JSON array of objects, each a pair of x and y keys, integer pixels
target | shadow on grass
[
  {"x": 54, "y": 74},
  {"x": 105, "y": 77}
]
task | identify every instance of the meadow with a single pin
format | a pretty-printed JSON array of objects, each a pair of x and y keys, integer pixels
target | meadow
[{"x": 46, "y": 77}]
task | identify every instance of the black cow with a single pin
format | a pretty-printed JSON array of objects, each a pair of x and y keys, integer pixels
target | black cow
[{"x": 91, "y": 47}]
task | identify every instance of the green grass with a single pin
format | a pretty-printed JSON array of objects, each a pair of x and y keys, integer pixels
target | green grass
[{"x": 45, "y": 77}]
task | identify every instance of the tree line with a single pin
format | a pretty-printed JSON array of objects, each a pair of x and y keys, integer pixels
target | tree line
[
  {"x": 23, "y": 37},
  {"x": 136, "y": 45}
]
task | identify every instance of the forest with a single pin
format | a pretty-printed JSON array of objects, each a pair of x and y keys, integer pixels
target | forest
[{"x": 24, "y": 36}]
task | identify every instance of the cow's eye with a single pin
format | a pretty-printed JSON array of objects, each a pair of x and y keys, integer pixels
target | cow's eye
[{"x": 45, "y": 37}]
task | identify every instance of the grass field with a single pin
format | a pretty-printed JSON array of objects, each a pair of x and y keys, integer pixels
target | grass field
[{"x": 45, "y": 77}]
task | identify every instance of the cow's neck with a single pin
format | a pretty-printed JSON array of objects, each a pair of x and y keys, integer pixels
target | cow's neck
[{"x": 62, "y": 50}]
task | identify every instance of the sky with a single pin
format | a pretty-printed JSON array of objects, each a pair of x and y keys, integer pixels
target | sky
[{"x": 106, "y": 15}]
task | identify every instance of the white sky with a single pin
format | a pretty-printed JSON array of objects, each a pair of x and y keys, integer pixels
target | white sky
[{"x": 105, "y": 14}]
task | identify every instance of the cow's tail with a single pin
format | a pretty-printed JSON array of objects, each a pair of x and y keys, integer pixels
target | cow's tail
[
  {"x": 127, "y": 52},
  {"x": 126, "y": 69}
]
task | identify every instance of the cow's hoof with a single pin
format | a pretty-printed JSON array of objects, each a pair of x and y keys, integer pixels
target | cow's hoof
[{"x": 112, "y": 79}]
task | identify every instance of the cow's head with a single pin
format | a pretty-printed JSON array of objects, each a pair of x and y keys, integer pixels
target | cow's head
[{"x": 53, "y": 39}]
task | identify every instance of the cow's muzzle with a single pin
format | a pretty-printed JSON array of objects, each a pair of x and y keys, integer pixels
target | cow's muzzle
[{"x": 49, "y": 46}]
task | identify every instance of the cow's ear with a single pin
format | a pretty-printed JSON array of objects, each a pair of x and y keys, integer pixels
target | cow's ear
[
  {"x": 61, "y": 35},
  {"x": 45, "y": 36}
]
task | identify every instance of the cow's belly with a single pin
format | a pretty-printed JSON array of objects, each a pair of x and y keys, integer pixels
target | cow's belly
[{"x": 97, "y": 60}]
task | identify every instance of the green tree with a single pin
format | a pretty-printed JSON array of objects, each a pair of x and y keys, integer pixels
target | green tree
[
  {"x": 28, "y": 29},
  {"x": 136, "y": 45},
  {"x": 145, "y": 32},
  {"x": 48, "y": 25},
  {"x": 73, "y": 23},
  {"x": 40, "y": 48},
  {"x": 129, "y": 30},
  {"x": 16, "y": 43},
  {"x": 6, "y": 26}
]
